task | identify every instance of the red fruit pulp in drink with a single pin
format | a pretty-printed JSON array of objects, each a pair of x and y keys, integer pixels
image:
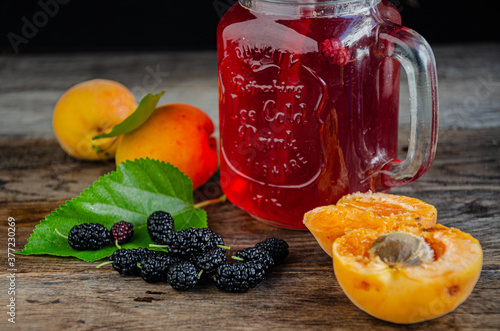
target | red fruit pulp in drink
[{"x": 299, "y": 129}]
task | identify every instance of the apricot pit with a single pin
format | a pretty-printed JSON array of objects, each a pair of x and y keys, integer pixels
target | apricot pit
[{"x": 401, "y": 249}]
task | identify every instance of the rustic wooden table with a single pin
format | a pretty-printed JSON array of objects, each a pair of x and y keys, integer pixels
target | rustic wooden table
[{"x": 36, "y": 176}]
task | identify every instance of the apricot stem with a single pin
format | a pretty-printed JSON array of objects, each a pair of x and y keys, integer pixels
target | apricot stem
[
  {"x": 202, "y": 204},
  {"x": 103, "y": 149}
]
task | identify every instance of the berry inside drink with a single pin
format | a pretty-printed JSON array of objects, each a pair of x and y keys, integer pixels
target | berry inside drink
[{"x": 308, "y": 109}]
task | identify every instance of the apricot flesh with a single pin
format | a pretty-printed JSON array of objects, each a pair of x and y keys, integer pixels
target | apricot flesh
[
  {"x": 381, "y": 211},
  {"x": 88, "y": 109},
  {"x": 179, "y": 134},
  {"x": 408, "y": 294}
]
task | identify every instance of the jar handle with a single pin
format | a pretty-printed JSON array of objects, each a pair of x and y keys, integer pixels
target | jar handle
[{"x": 417, "y": 59}]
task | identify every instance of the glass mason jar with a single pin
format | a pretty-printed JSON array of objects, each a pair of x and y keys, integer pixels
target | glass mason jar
[{"x": 308, "y": 101}]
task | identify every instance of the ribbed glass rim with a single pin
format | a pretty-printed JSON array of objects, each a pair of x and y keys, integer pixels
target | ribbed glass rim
[{"x": 309, "y": 8}]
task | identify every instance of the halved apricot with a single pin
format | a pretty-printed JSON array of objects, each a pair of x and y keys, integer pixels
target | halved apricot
[
  {"x": 380, "y": 211},
  {"x": 408, "y": 276},
  {"x": 405, "y": 209}
]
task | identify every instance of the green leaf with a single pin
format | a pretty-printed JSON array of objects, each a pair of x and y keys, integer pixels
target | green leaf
[
  {"x": 136, "y": 119},
  {"x": 131, "y": 193}
]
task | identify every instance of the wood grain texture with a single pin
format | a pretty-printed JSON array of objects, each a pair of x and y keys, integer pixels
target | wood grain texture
[{"x": 63, "y": 293}]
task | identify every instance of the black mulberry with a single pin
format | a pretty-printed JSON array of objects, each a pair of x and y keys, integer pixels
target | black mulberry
[
  {"x": 182, "y": 276},
  {"x": 125, "y": 260},
  {"x": 210, "y": 260},
  {"x": 154, "y": 268},
  {"x": 88, "y": 236},
  {"x": 257, "y": 255},
  {"x": 161, "y": 227},
  {"x": 239, "y": 276},
  {"x": 194, "y": 241},
  {"x": 277, "y": 248}
]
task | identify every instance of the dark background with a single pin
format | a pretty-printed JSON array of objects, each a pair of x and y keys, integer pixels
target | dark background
[{"x": 131, "y": 25}]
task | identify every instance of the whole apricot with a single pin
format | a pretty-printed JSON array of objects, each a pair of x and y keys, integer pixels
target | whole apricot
[
  {"x": 380, "y": 211},
  {"x": 88, "y": 109},
  {"x": 408, "y": 276},
  {"x": 179, "y": 134}
]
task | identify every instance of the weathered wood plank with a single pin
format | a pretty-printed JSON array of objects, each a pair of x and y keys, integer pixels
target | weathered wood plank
[{"x": 39, "y": 170}]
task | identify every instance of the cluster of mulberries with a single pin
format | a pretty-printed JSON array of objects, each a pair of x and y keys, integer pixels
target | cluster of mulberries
[
  {"x": 195, "y": 254},
  {"x": 94, "y": 236},
  {"x": 155, "y": 267},
  {"x": 252, "y": 266},
  {"x": 243, "y": 274}
]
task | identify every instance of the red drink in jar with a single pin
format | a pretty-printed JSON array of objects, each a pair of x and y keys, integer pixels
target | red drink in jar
[{"x": 309, "y": 95}]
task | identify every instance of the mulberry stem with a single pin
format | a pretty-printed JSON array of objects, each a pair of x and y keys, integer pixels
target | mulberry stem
[
  {"x": 59, "y": 233},
  {"x": 237, "y": 258},
  {"x": 165, "y": 247},
  {"x": 103, "y": 264}
]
